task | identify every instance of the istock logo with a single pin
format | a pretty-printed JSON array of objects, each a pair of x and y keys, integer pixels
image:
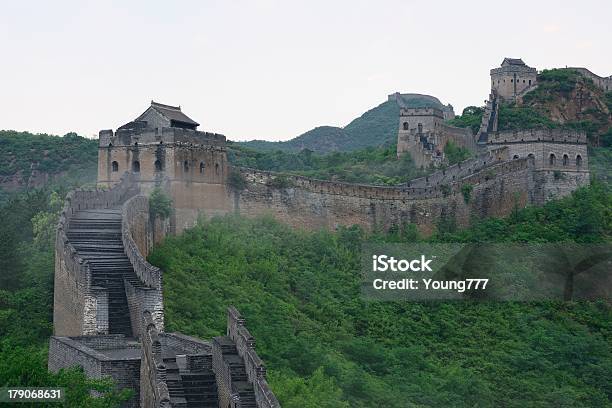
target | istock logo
[{"x": 383, "y": 263}]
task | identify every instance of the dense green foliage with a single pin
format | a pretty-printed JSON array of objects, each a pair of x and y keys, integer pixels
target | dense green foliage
[
  {"x": 327, "y": 347},
  {"x": 70, "y": 160},
  {"x": 554, "y": 81},
  {"x": 513, "y": 117},
  {"x": 160, "y": 205},
  {"x": 471, "y": 117},
  {"x": 376, "y": 127},
  {"x": 454, "y": 153},
  {"x": 27, "y": 235},
  {"x": 371, "y": 166}
]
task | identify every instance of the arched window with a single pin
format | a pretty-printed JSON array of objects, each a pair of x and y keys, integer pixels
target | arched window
[
  {"x": 186, "y": 166},
  {"x": 115, "y": 166},
  {"x": 578, "y": 161},
  {"x": 405, "y": 125},
  {"x": 202, "y": 166},
  {"x": 565, "y": 159},
  {"x": 552, "y": 159},
  {"x": 158, "y": 165},
  {"x": 531, "y": 156},
  {"x": 217, "y": 169},
  {"x": 420, "y": 128},
  {"x": 516, "y": 156},
  {"x": 136, "y": 166}
]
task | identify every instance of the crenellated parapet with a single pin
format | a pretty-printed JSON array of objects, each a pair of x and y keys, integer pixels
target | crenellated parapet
[
  {"x": 538, "y": 135},
  {"x": 255, "y": 369},
  {"x": 153, "y": 387}
]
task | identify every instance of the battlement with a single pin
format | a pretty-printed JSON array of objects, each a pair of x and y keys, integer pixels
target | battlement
[
  {"x": 166, "y": 135},
  {"x": 422, "y": 112},
  {"x": 538, "y": 135}
]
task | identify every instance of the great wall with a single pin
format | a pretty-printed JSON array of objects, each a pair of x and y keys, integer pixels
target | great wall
[{"x": 108, "y": 306}]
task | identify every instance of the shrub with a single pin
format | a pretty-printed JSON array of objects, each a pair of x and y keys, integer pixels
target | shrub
[
  {"x": 466, "y": 190},
  {"x": 281, "y": 181},
  {"x": 455, "y": 153},
  {"x": 160, "y": 205}
]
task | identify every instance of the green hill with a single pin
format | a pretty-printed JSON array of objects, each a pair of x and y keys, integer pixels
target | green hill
[
  {"x": 325, "y": 346},
  {"x": 375, "y": 128}
]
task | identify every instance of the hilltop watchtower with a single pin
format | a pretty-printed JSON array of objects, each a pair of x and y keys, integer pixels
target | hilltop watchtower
[{"x": 512, "y": 78}]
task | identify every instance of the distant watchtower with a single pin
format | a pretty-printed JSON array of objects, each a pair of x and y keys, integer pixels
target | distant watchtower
[{"x": 512, "y": 79}]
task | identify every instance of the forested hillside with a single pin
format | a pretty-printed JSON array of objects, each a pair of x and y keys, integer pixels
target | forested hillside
[
  {"x": 33, "y": 160},
  {"x": 325, "y": 346}
]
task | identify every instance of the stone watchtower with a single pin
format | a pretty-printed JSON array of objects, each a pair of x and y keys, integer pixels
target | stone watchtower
[
  {"x": 512, "y": 79},
  {"x": 162, "y": 147},
  {"x": 423, "y": 133},
  {"x": 418, "y": 134}
]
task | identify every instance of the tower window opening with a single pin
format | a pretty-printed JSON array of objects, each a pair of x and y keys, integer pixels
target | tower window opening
[
  {"x": 136, "y": 166},
  {"x": 115, "y": 166},
  {"x": 565, "y": 159},
  {"x": 217, "y": 169},
  {"x": 405, "y": 125},
  {"x": 578, "y": 161},
  {"x": 186, "y": 166},
  {"x": 552, "y": 159},
  {"x": 202, "y": 166}
]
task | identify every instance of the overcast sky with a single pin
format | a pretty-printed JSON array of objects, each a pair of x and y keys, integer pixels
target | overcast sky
[{"x": 272, "y": 69}]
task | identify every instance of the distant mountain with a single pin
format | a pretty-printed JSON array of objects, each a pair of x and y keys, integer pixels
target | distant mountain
[{"x": 376, "y": 127}]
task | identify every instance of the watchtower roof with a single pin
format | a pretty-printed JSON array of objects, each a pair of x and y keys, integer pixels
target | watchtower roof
[
  {"x": 172, "y": 113},
  {"x": 512, "y": 61}
]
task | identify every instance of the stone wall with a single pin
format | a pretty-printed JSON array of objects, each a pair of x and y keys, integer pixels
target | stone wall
[
  {"x": 88, "y": 352},
  {"x": 139, "y": 234},
  {"x": 153, "y": 388},
  {"x": 604, "y": 83},
  {"x": 312, "y": 204}
]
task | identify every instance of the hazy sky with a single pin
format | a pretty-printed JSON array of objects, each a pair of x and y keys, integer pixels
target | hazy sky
[{"x": 272, "y": 69}]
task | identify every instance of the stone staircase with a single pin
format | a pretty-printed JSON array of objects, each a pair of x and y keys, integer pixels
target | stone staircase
[
  {"x": 189, "y": 388},
  {"x": 96, "y": 236}
]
